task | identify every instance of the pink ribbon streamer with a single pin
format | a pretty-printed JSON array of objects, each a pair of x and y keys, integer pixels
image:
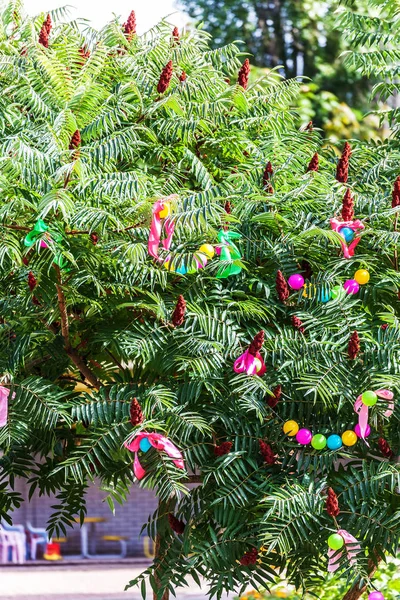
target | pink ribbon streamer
[
  {"x": 4, "y": 393},
  {"x": 348, "y": 249},
  {"x": 156, "y": 229},
  {"x": 335, "y": 556},
  {"x": 246, "y": 363},
  {"x": 159, "y": 442},
  {"x": 362, "y": 410}
]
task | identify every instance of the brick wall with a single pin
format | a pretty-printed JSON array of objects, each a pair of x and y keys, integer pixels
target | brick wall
[{"x": 127, "y": 521}]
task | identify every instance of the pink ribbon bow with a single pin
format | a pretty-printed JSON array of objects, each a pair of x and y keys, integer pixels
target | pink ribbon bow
[
  {"x": 362, "y": 410},
  {"x": 334, "y": 556},
  {"x": 156, "y": 228},
  {"x": 4, "y": 393},
  {"x": 348, "y": 249},
  {"x": 247, "y": 363},
  {"x": 159, "y": 442}
]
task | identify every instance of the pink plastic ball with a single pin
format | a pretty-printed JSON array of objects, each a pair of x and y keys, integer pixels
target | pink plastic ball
[
  {"x": 304, "y": 436},
  {"x": 296, "y": 281},
  {"x": 376, "y": 596},
  {"x": 217, "y": 250},
  {"x": 351, "y": 286},
  {"x": 43, "y": 244},
  {"x": 358, "y": 432}
]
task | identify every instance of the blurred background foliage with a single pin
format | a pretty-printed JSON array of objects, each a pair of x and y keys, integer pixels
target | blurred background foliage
[{"x": 302, "y": 37}]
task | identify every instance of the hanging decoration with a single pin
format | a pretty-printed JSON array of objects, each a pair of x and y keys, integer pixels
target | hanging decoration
[
  {"x": 251, "y": 361},
  {"x": 362, "y": 404},
  {"x": 337, "y": 541},
  {"x": 349, "y": 231},
  {"x": 376, "y": 596},
  {"x": 41, "y": 230},
  {"x": 4, "y": 394},
  {"x": 228, "y": 252},
  {"x": 144, "y": 441}
]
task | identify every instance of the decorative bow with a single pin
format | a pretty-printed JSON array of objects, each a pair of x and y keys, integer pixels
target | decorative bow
[
  {"x": 4, "y": 393},
  {"x": 362, "y": 410},
  {"x": 156, "y": 228},
  {"x": 159, "y": 442},
  {"x": 39, "y": 228},
  {"x": 228, "y": 252},
  {"x": 334, "y": 556},
  {"x": 348, "y": 249},
  {"x": 247, "y": 363}
]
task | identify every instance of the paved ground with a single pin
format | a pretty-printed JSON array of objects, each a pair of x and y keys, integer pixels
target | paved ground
[{"x": 77, "y": 582}]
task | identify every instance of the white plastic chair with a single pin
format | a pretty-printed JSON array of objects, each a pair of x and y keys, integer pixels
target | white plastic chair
[
  {"x": 38, "y": 536},
  {"x": 20, "y": 538},
  {"x": 14, "y": 541}
]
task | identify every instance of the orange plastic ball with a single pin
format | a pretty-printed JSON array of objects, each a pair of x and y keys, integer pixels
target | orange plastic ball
[
  {"x": 291, "y": 428},
  {"x": 166, "y": 211},
  {"x": 349, "y": 438},
  {"x": 362, "y": 276}
]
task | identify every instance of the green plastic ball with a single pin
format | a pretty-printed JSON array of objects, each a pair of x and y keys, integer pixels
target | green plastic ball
[
  {"x": 335, "y": 541},
  {"x": 318, "y": 441},
  {"x": 337, "y": 292},
  {"x": 369, "y": 398}
]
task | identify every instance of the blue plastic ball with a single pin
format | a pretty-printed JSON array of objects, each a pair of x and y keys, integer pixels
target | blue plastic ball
[
  {"x": 334, "y": 442},
  {"x": 181, "y": 270},
  {"x": 347, "y": 234},
  {"x": 324, "y": 296},
  {"x": 144, "y": 444}
]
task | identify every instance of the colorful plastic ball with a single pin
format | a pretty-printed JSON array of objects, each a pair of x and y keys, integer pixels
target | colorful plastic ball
[
  {"x": 258, "y": 365},
  {"x": 349, "y": 437},
  {"x": 318, "y": 441},
  {"x": 357, "y": 431},
  {"x": 324, "y": 296},
  {"x": 144, "y": 444},
  {"x": 309, "y": 290},
  {"x": 335, "y": 541},
  {"x": 201, "y": 260},
  {"x": 166, "y": 211},
  {"x": 376, "y": 596},
  {"x": 351, "y": 286},
  {"x": 296, "y": 281},
  {"x": 347, "y": 234},
  {"x": 337, "y": 292},
  {"x": 304, "y": 436},
  {"x": 334, "y": 442},
  {"x": 290, "y": 428},
  {"x": 208, "y": 250},
  {"x": 369, "y": 398},
  {"x": 181, "y": 270},
  {"x": 362, "y": 276}
]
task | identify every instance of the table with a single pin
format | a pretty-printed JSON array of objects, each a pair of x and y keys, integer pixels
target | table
[{"x": 89, "y": 526}]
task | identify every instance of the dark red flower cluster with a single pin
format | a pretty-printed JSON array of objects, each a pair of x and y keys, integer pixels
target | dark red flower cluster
[
  {"x": 223, "y": 448},
  {"x": 85, "y": 54},
  {"x": 297, "y": 324},
  {"x": 282, "y": 288},
  {"x": 228, "y": 207},
  {"x": 32, "y": 283},
  {"x": 267, "y": 453},
  {"x": 135, "y": 412},
  {"x": 354, "y": 346},
  {"x": 268, "y": 172},
  {"x": 178, "y": 316},
  {"x": 130, "y": 26},
  {"x": 45, "y": 32},
  {"x": 182, "y": 76},
  {"x": 347, "y": 206},
  {"x": 175, "y": 36},
  {"x": 176, "y": 525},
  {"x": 165, "y": 78},
  {"x": 256, "y": 344},
  {"x": 243, "y": 75},
  {"x": 75, "y": 144},
  {"x": 272, "y": 401},
  {"x": 250, "y": 558},
  {"x": 385, "y": 449},
  {"x": 94, "y": 238},
  {"x": 396, "y": 193},
  {"x": 332, "y": 503},
  {"x": 342, "y": 169},
  {"x": 35, "y": 301},
  {"x": 309, "y": 126},
  {"x": 313, "y": 165}
]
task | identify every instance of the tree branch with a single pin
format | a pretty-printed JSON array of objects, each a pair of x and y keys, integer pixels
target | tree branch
[{"x": 355, "y": 592}]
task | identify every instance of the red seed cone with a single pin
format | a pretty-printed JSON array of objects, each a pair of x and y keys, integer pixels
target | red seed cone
[
  {"x": 35, "y": 301},
  {"x": 175, "y": 36},
  {"x": 396, "y": 193},
  {"x": 250, "y": 558},
  {"x": 268, "y": 172},
  {"x": 165, "y": 78},
  {"x": 347, "y": 206},
  {"x": 243, "y": 75},
  {"x": 272, "y": 401},
  {"x": 130, "y": 26},
  {"x": 176, "y": 525},
  {"x": 342, "y": 169},
  {"x": 309, "y": 126},
  {"x": 94, "y": 238},
  {"x": 256, "y": 344},
  {"x": 178, "y": 316},
  {"x": 282, "y": 288},
  {"x": 297, "y": 324},
  {"x": 135, "y": 412},
  {"x": 85, "y": 54},
  {"x": 385, "y": 449},
  {"x": 32, "y": 283},
  {"x": 354, "y": 346},
  {"x": 332, "y": 503},
  {"x": 267, "y": 453},
  {"x": 313, "y": 165},
  {"x": 228, "y": 207},
  {"x": 223, "y": 448},
  {"x": 75, "y": 144},
  {"x": 44, "y": 33},
  {"x": 182, "y": 76}
]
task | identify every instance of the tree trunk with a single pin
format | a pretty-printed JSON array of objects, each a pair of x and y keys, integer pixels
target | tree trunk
[
  {"x": 355, "y": 592},
  {"x": 163, "y": 509},
  {"x": 157, "y": 556}
]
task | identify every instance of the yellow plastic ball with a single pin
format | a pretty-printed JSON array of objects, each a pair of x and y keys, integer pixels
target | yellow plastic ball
[
  {"x": 258, "y": 365},
  {"x": 208, "y": 250},
  {"x": 166, "y": 211},
  {"x": 349, "y": 438},
  {"x": 290, "y": 428},
  {"x": 362, "y": 276},
  {"x": 309, "y": 291},
  {"x": 166, "y": 266}
]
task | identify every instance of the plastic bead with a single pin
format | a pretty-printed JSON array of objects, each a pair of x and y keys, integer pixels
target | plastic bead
[
  {"x": 144, "y": 445},
  {"x": 318, "y": 441},
  {"x": 304, "y": 436},
  {"x": 351, "y": 286},
  {"x": 349, "y": 438},
  {"x": 335, "y": 541},
  {"x": 208, "y": 250},
  {"x": 362, "y": 276},
  {"x": 334, "y": 442},
  {"x": 296, "y": 281},
  {"x": 357, "y": 431},
  {"x": 258, "y": 365},
  {"x": 337, "y": 292},
  {"x": 376, "y": 596},
  {"x": 369, "y": 398},
  {"x": 291, "y": 428},
  {"x": 347, "y": 234},
  {"x": 166, "y": 211}
]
